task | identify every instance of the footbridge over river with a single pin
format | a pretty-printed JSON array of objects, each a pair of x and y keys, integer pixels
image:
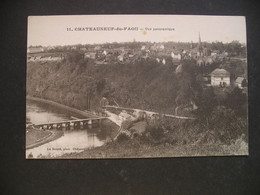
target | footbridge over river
[{"x": 76, "y": 123}]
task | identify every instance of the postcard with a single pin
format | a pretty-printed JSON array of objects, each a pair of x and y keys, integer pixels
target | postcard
[{"x": 136, "y": 86}]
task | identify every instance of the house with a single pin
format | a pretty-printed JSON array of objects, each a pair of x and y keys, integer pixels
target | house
[
  {"x": 98, "y": 47},
  {"x": 125, "y": 116},
  {"x": 161, "y": 47},
  {"x": 139, "y": 114},
  {"x": 204, "y": 61},
  {"x": 240, "y": 82},
  {"x": 225, "y": 53},
  {"x": 91, "y": 55},
  {"x": 200, "y": 62},
  {"x": 105, "y": 52},
  {"x": 220, "y": 77},
  {"x": 163, "y": 61},
  {"x": 176, "y": 56},
  {"x": 208, "y": 60},
  {"x": 35, "y": 50},
  {"x": 120, "y": 58},
  {"x": 214, "y": 53},
  {"x": 104, "y": 102},
  {"x": 83, "y": 49},
  {"x": 179, "y": 69}
]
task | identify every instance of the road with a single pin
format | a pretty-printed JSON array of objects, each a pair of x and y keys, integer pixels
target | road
[{"x": 153, "y": 113}]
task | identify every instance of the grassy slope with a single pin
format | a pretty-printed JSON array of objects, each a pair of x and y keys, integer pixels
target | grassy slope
[
  {"x": 133, "y": 149},
  {"x": 33, "y": 135}
]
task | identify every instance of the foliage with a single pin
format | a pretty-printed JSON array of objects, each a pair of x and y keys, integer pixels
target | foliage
[
  {"x": 206, "y": 101},
  {"x": 122, "y": 137},
  {"x": 74, "y": 57},
  {"x": 156, "y": 132},
  {"x": 126, "y": 124},
  {"x": 237, "y": 101},
  {"x": 145, "y": 84}
]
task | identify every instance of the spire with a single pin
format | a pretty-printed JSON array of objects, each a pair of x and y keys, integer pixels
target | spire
[
  {"x": 200, "y": 48},
  {"x": 200, "y": 45},
  {"x": 199, "y": 40}
]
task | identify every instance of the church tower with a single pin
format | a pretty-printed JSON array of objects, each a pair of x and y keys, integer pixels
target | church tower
[{"x": 200, "y": 48}]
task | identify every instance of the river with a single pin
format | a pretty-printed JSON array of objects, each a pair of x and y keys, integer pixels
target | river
[{"x": 73, "y": 140}]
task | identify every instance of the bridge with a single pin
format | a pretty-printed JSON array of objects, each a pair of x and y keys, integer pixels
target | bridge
[{"x": 76, "y": 123}]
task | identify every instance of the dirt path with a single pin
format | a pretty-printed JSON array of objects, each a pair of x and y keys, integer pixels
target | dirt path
[
  {"x": 115, "y": 118},
  {"x": 152, "y": 113}
]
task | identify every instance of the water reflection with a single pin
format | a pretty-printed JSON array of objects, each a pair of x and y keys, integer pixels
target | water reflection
[{"x": 73, "y": 140}]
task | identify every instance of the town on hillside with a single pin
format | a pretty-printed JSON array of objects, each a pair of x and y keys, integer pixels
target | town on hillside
[{"x": 215, "y": 60}]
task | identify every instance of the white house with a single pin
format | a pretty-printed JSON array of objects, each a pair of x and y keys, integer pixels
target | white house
[
  {"x": 239, "y": 82},
  {"x": 214, "y": 53},
  {"x": 162, "y": 47},
  {"x": 163, "y": 61},
  {"x": 91, "y": 55},
  {"x": 220, "y": 77},
  {"x": 176, "y": 55},
  {"x": 35, "y": 50},
  {"x": 105, "y": 52},
  {"x": 125, "y": 116},
  {"x": 120, "y": 58}
]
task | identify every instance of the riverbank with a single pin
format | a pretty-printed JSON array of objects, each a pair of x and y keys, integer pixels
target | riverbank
[
  {"x": 37, "y": 137},
  {"x": 50, "y": 102}
]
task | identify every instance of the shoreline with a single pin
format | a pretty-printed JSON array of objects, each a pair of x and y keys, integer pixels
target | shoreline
[
  {"x": 53, "y": 103},
  {"x": 55, "y": 134}
]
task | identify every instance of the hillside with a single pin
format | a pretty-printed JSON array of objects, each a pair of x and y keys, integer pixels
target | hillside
[
  {"x": 143, "y": 84},
  {"x": 220, "y": 112}
]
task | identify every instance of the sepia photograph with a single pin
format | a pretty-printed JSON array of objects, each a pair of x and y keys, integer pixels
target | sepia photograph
[{"x": 136, "y": 86}]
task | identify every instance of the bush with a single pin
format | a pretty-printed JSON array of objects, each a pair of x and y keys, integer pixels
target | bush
[
  {"x": 127, "y": 124},
  {"x": 122, "y": 137},
  {"x": 156, "y": 132}
]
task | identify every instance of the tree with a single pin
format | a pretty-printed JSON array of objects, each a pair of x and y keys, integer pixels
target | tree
[
  {"x": 237, "y": 101},
  {"x": 206, "y": 102},
  {"x": 75, "y": 57},
  {"x": 227, "y": 125}
]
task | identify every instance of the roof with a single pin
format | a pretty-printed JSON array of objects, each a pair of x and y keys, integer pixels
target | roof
[
  {"x": 239, "y": 80},
  {"x": 179, "y": 69},
  {"x": 125, "y": 115},
  {"x": 35, "y": 49},
  {"x": 220, "y": 72}
]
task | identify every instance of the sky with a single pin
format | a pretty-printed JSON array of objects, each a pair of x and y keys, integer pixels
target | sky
[{"x": 52, "y": 30}]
